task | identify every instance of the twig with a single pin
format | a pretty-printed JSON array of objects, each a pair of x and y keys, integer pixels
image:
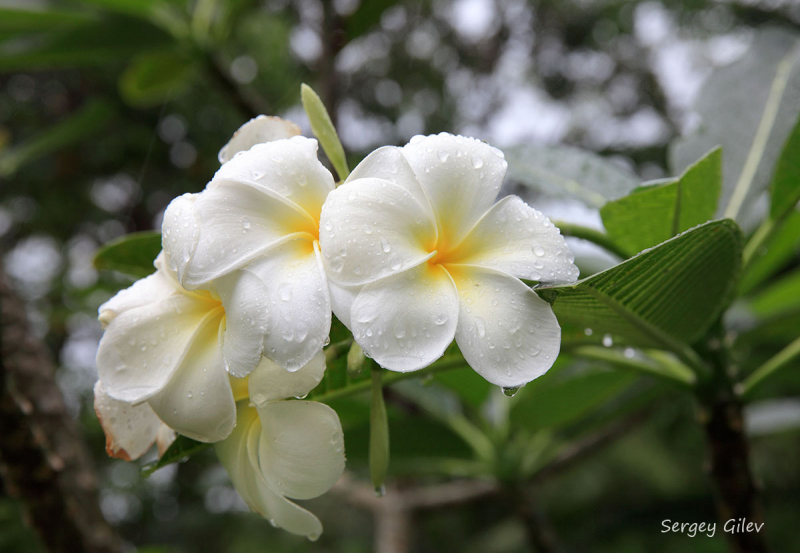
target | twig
[{"x": 44, "y": 462}]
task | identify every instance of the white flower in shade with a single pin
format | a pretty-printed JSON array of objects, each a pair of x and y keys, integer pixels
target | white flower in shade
[
  {"x": 163, "y": 345},
  {"x": 254, "y": 233},
  {"x": 131, "y": 430},
  {"x": 417, "y": 254},
  {"x": 283, "y": 448}
]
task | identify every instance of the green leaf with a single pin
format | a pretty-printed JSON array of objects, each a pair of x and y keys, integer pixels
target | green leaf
[
  {"x": 775, "y": 254},
  {"x": 95, "y": 44},
  {"x": 663, "y": 297},
  {"x": 179, "y": 450},
  {"x": 567, "y": 172},
  {"x": 132, "y": 254},
  {"x": 652, "y": 214},
  {"x": 323, "y": 129},
  {"x": 155, "y": 77},
  {"x": 786, "y": 179},
  {"x": 90, "y": 119},
  {"x": 781, "y": 297},
  {"x": 749, "y": 108},
  {"x": 378, "y": 433},
  {"x": 14, "y": 21},
  {"x": 562, "y": 396}
]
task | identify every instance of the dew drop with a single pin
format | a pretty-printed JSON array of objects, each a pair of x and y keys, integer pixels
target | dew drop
[
  {"x": 481, "y": 326},
  {"x": 245, "y": 223},
  {"x": 538, "y": 250},
  {"x": 510, "y": 391},
  {"x": 477, "y": 162},
  {"x": 608, "y": 341},
  {"x": 385, "y": 245}
]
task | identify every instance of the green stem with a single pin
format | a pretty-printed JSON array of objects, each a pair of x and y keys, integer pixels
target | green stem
[
  {"x": 780, "y": 361},
  {"x": 684, "y": 378},
  {"x": 378, "y": 432},
  {"x": 388, "y": 379},
  {"x": 760, "y": 236},
  {"x": 592, "y": 235}
]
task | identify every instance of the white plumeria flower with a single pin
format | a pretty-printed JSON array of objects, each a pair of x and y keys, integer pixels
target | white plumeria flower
[
  {"x": 254, "y": 233},
  {"x": 281, "y": 448},
  {"x": 131, "y": 430},
  {"x": 163, "y": 344},
  {"x": 417, "y": 255}
]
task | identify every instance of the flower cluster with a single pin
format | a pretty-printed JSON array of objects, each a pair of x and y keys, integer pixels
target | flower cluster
[{"x": 410, "y": 253}]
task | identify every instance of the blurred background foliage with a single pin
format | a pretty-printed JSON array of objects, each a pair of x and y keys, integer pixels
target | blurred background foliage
[{"x": 110, "y": 108}]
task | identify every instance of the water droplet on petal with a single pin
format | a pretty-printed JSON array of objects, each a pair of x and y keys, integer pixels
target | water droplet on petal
[{"x": 510, "y": 391}]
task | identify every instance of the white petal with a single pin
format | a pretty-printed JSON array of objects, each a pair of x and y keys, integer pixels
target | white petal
[
  {"x": 288, "y": 168},
  {"x": 505, "y": 331},
  {"x": 257, "y": 131},
  {"x": 130, "y": 430},
  {"x": 370, "y": 229},
  {"x": 270, "y": 381},
  {"x": 515, "y": 238},
  {"x": 180, "y": 232},
  {"x": 143, "y": 347},
  {"x": 151, "y": 289},
  {"x": 406, "y": 321},
  {"x": 198, "y": 401},
  {"x": 388, "y": 163},
  {"x": 342, "y": 298},
  {"x": 236, "y": 223},
  {"x": 164, "y": 438},
  {"x": 461, "y": 177},
  {"x": 249, "y": 482},
  {"x": 301, "y": 450},
  {"x": 291, "y": 282},
  {"x": 246, "y": 320}
]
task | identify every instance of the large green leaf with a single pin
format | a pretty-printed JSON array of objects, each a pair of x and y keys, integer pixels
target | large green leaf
[
  {"x": 652, "y": 214},
  {"x": 749, "y": 108},
  {"x": 567, "y": 172},
  {"x": 90, "y": 119},
  {"x": 155, "y": 77},
  {"x": 786, "y": 179},
  {"x": 672, "y": 292},
  {"x": 132, "y": 254}
]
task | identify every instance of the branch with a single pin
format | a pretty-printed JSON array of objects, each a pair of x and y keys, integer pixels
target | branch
[{"x": 44, "y": 461}]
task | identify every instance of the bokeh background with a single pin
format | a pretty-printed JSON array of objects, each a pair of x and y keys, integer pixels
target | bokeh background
[{"x": 110, "y": 108}]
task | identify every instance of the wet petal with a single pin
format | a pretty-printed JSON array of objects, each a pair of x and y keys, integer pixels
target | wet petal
[
  {"x": 197, "y": 401},
  {"x": 507, "y": 333},
  {"x": 342, "y": 298},
  {"x": 258, "y": 130},
  {"x": 251, "y": 485},
  {"x": 515, "y": 238},
  {"x": 406, "y": 321},
  {"x": 151, "y": 289},
  {"x": 461, "y": 176},
  {"x": 288, "y": 168},
  {"x": 271, "y": 382},
  {"x": 291, "y": 282},
  {"x": 370, "y": 229},
  {"x": 130, "y": 430},
  {"x": 388, "y": 163},
  {"x": 301, "y": 450},
  {"x": 235, "y": 223},
  {"x": 143, "y": 347}
]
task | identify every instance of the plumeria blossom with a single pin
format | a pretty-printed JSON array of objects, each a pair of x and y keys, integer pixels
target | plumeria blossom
[
  {"x": 254, "y": 232},
  {"x": 163, "y": 345},
  {"x": 418, "y": 253},
  {"x": 282, "y": 448}
]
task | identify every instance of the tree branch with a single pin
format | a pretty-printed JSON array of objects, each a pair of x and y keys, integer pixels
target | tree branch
[{"x": 44, "y": 461}]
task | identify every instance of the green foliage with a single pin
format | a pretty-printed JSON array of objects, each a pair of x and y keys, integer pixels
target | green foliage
[
  {"x": 378, "y": 433},
  {"x": 323, "y": 129},
  {"x": 182, "y": 448},
  {"x": 132, "y": 254},
  {"x": 785, "y": 190},
  {"x": 773, "y": 256},
  {"x": 153, "y": 78},
  {"x": 674, "y": 291},
  {"x": 565, "y": 394},
  {"x": 749, "y": 108},
  {"x": 656, "y": 212},
  {"x": 81, "y": 125},
  {"x": 566, "y": 172},
  {"x": 14, "y": 21}
]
